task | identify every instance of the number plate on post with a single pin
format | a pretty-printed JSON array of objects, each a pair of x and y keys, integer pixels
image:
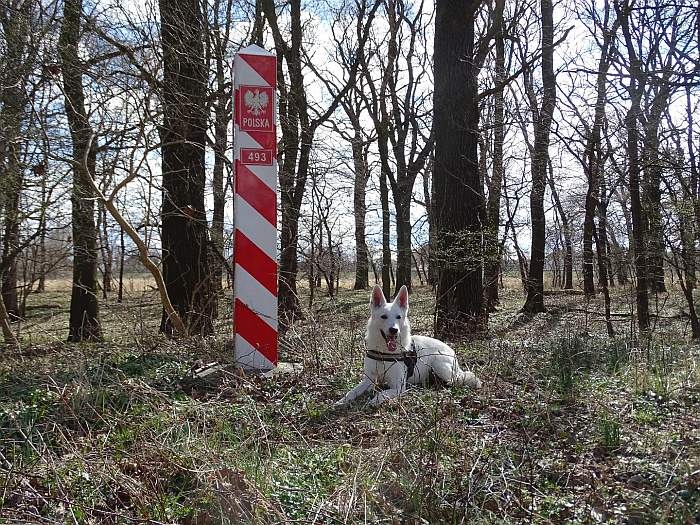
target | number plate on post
[{"x": 259, "y": 157}]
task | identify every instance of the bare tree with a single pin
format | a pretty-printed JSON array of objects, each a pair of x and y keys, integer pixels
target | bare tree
[
  {"x": 218, "y": 37},
  {"x": 396, "y": 101},
  {"x": 84, "y": 321},
  {"x": 542, "y": 113},
  {"x": 17, "y": 19},
  {"x": 298, "y": 131},
  {"x": 493, "y": 205}
]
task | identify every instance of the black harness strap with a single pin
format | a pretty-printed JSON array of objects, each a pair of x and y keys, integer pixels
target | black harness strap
[{"x": 408, "y": 358}]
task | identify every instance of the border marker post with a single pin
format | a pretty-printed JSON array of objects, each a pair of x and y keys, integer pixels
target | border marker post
[{"x": 255, "y": 324}]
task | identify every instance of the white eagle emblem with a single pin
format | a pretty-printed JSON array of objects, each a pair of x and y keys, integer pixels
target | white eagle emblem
[{"x": 256, "y": 101}]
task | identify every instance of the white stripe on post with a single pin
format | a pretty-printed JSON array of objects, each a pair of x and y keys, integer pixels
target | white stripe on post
[{"x": 255, "y": 209}]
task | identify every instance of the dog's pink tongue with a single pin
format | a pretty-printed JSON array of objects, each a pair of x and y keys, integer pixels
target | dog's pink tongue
[{"x": 391, "y": 344}]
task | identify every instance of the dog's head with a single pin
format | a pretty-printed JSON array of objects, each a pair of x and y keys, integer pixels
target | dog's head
[{"x": 388, "y": 322}]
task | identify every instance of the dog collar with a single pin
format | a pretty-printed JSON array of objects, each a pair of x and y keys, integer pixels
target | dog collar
[{"x": 408, "y": 358}]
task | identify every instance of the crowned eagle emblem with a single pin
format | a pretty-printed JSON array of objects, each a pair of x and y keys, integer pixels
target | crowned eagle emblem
[{"x": 256, "y": 101}]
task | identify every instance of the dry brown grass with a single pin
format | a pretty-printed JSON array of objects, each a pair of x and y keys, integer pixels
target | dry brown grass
[{"x": 571, "y": 427}]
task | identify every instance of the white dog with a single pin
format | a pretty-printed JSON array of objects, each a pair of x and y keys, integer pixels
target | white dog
[{"x": 396, "y": 358}]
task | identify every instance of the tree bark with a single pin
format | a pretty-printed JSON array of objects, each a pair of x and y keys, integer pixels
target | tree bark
[
  {"x": 534, "y": 301},
  {"x": 183, "y": 135},
  {"x": 360, "y": 211},
  {"x": 458, "y": 197},
  {"x": 428, "y": 190},
  {"x": 493, "y": 206},
  {"x": 84, "y": 324},
  {"x": 566, "y": 230},
  {"x": 106, "y": 250},
  {"x": 635, "y": 89},
  {"x": 651, "y": 195},
  {"x": 386, "y": 233}
]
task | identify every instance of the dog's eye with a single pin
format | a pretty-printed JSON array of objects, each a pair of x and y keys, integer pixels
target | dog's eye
[
  {"x": 385, "y": 316},
  {"x": 398, "y": 317}
]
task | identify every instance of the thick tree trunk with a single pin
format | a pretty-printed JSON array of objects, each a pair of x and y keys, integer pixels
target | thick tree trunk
[
  {"x": 638, "y": 229},
  {"x": 184, "y": 222},
  {"x": 84, "y": 322},
  {"x": 7, "y": 333},
  {"x": 458, "y": 197}
]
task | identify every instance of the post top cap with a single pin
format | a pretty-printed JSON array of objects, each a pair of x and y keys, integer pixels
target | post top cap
[{"x": 254, "y": 49}]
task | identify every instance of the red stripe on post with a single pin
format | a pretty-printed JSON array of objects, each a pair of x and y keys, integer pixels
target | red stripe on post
[
  {"x": 266, "y": 139},
  {"x": 256, "y": 262},
  {"x": 257, "y": 332},
  {"x": 256, "y": 193},
  {"x": 265, "y": 66}
]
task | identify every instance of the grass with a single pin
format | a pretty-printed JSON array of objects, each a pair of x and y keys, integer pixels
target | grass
[{"x": 570, "y": 426}]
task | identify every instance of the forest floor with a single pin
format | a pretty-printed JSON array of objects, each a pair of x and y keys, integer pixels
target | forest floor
[{"x": 570, "y": 427}]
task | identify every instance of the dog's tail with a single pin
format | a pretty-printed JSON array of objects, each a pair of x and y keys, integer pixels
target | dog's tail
[{"x": 466, "y": 378}]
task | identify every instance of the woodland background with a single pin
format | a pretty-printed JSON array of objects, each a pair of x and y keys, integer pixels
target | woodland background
[{"x": 528, "y": 168}]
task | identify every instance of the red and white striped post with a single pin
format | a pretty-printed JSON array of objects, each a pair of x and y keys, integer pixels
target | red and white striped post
[{"x": 255, "y": 209}]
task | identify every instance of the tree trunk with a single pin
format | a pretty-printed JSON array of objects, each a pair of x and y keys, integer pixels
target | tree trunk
[
  {"x": 534, "y": 301},
  {"x": 360, "y": 212},
  {"x": 566, "y": 230},
  {"x": 84, "y": 324},
  {"x": 493, "y": 207},
  {"x": 458, "y": 197},
  {"x": 694, "y": 228},
  {"x": 106, "y": 250},
  {"x": 386, "y": 224},
  {"x": 184, "y": 223},
  {"x": 7, "y": 333},
  {"x": 11, "y": 240},
  {"x": 403, "y": 239},
  {"x": 651, "y": 205},
  {"x": 432, "y": 274},
  {"x": 40, "y": 169},
  {"x": 122, "y": 248},
  {"x": 635, "y": 90}
]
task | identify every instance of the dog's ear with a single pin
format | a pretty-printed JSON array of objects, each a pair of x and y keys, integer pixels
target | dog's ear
[
  {"x": 402, "y": 297},
  {"x": 377, "y": 298}
]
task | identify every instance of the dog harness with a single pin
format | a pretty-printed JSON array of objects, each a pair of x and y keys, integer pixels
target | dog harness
[{"x": 408, "y": 358}]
